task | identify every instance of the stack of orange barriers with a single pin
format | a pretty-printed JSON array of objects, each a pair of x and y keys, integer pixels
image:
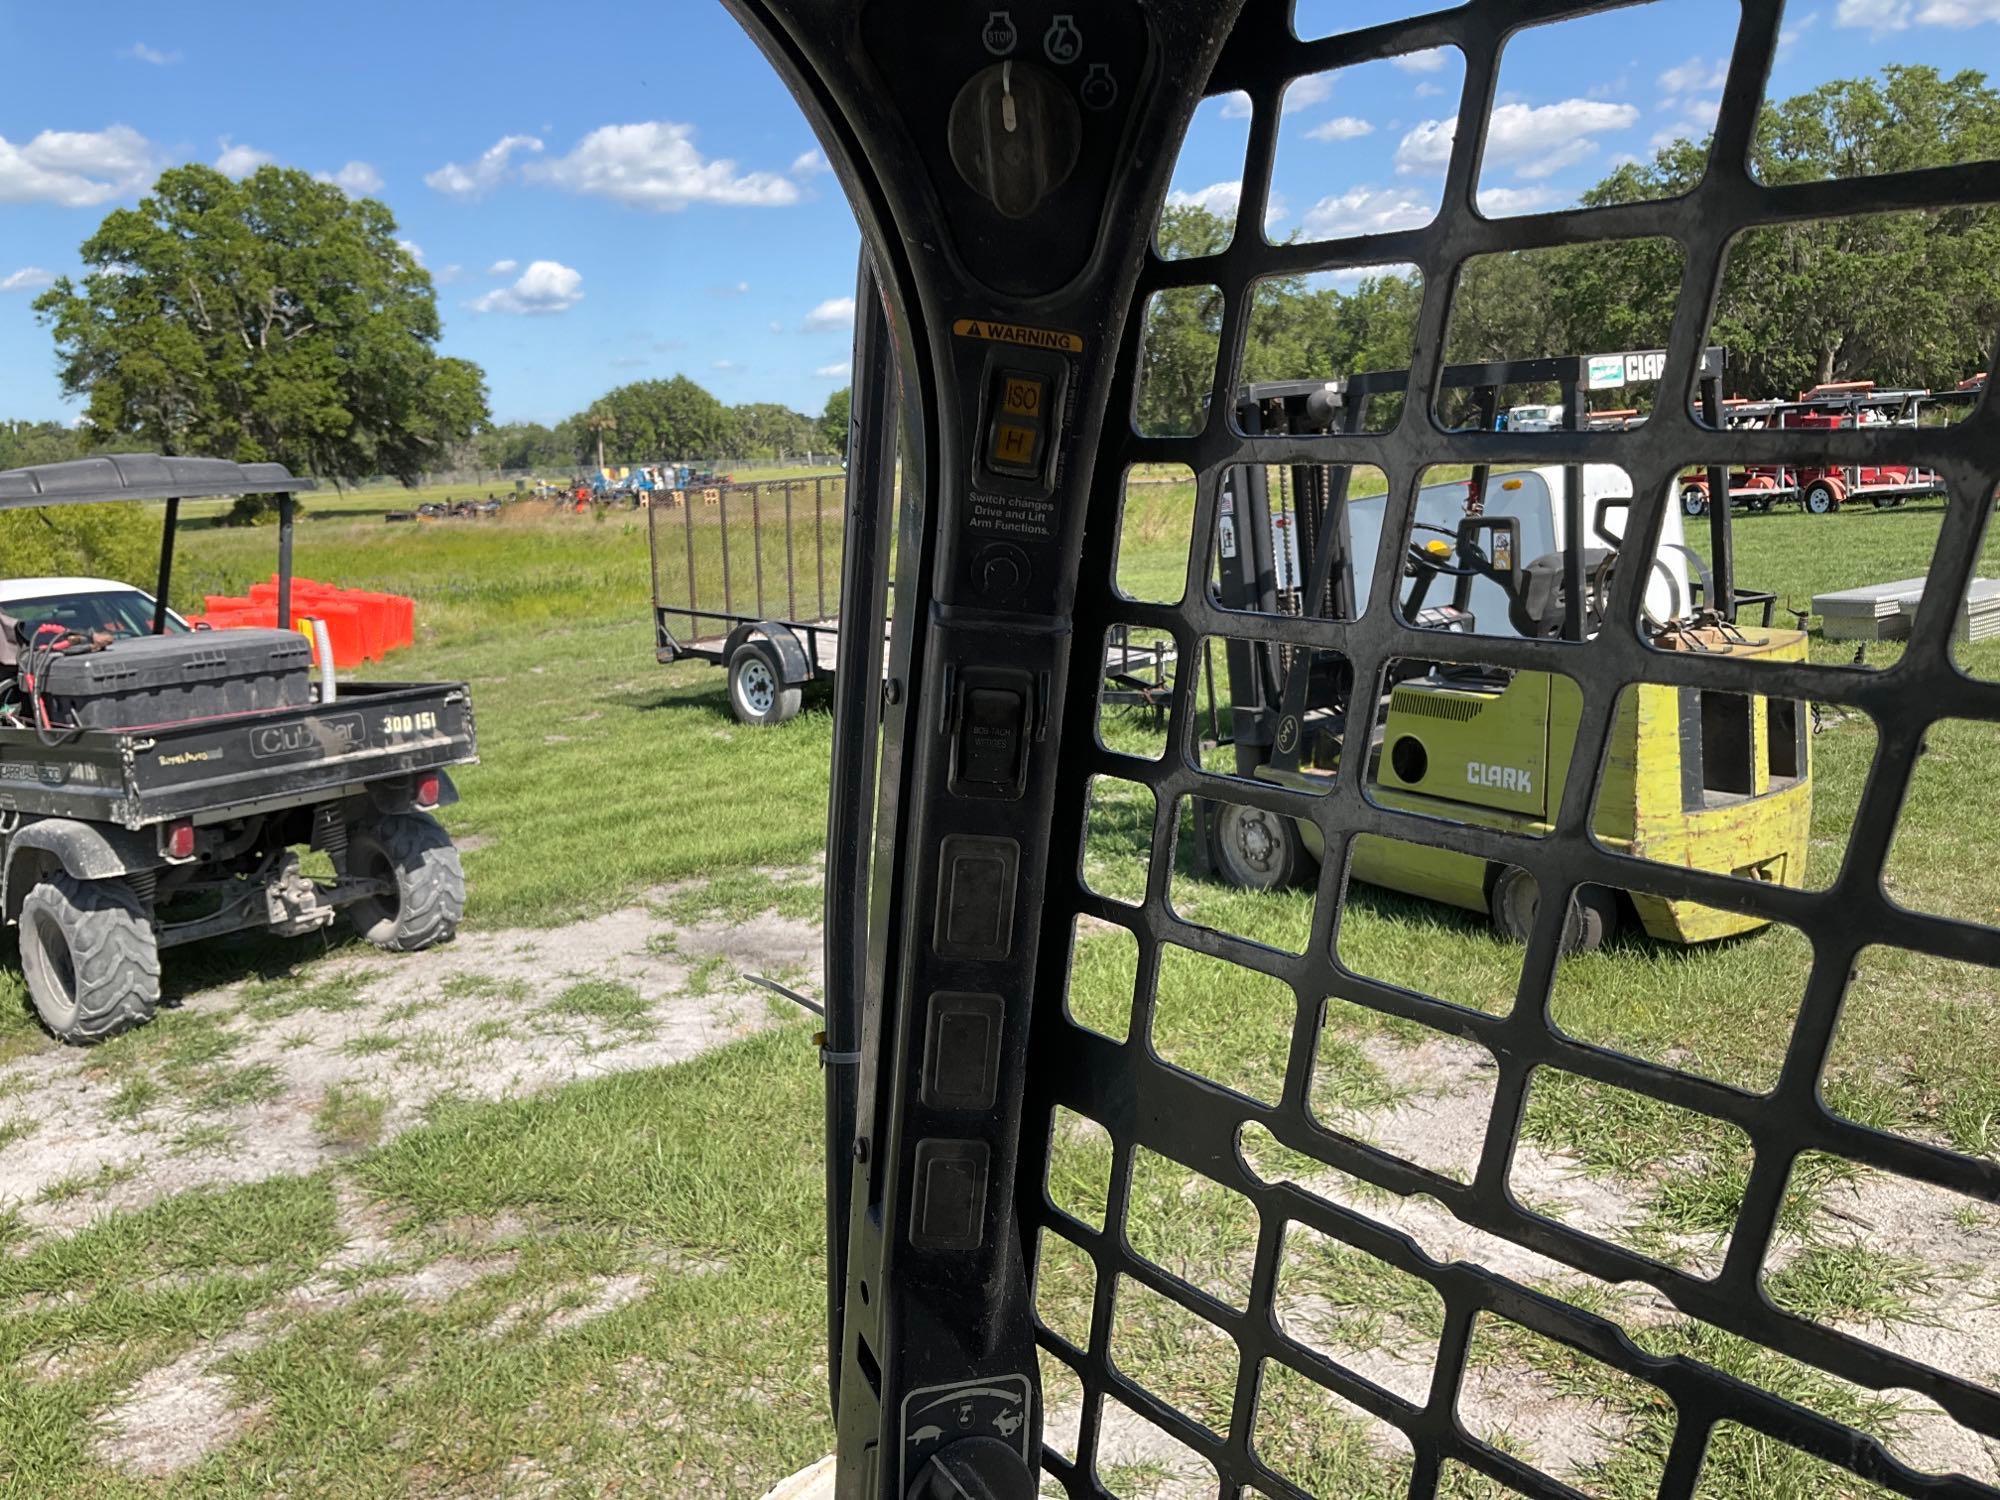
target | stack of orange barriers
[{"x": 363, "y": 626}]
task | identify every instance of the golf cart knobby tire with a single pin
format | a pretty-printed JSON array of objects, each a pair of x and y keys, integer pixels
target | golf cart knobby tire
[
  {"x": 758, "y": 693},
  {"x": 90, "y": 957},
  {"x": 1820, "y": 499},
  {"x": 1513, "y": 900},
  {"x": 1255, "y": 850},
  {"x": 413, "y": 850}
]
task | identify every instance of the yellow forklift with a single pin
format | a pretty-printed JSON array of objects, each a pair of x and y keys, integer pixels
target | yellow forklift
[{"x": 1704, "y": 780}]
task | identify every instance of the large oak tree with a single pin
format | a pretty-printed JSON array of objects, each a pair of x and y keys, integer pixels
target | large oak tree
[{"x": 273, "y": 318}]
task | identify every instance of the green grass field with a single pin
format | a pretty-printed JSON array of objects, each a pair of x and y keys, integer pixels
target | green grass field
[{"x": 696, "y": 1186}]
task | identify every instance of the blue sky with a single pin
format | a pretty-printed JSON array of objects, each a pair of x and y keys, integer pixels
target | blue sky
[
  {"x": 611, "y": 192},
  {"x": 682, "y": 231}
]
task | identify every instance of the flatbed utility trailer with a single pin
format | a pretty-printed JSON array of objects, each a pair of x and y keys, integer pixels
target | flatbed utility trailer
[
  {"x": 157, "y": 788},
  {"x": 759, "y": 600}
]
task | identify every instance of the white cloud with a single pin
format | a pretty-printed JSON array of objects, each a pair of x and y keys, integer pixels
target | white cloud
[
  {"x": 412, "y": 249},
  {"x": 1431, "y": 60},
  {"x": 1790, "y": 36},
  {"x": 1875, "y": 15},
  {"x": 1536, "y": 140},
  {"x": 1304, "y": 93},
  {"x": 1218, "y": 198},
  {"x": 448, "y": 274},
  {"x": 1502, "y": 202},
  {"x": 735, "y": 289},
  {"x": 241, "y": 161},
  {"x": 725, "y": 366},
  {"x": 1367, "y": 210},
  {"x": 839, "y": 370},
  {"x": 483, "y": 175},
  {"x": 357, "y": 179},
  {"x": 27, "y": 279},
  {"x": 655, "y": 165},
  {"x": 503, "y": 268},
  {"x": 811, "y": 163},
  {"x": 1236, "y": 105},
  {"x": 154, "y": 55},
  {"x": 76, "y": 168},
  {"x": 835, "y": 312},
  {"x": 1428, "y": 90},
  {"x": 547, "y": 286},
  {"x": 1958, "y": 13},
  {"x": 1695, "y": 76},
  {"x": 1341, "y": 128}
]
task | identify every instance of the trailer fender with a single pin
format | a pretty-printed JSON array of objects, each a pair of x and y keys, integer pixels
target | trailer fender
[
  {"x": 83, "y": 851},
  {"x": 793, "y": 663}
]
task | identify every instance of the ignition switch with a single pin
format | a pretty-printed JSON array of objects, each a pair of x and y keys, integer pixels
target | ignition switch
[{"x": 1015, "y": 134}]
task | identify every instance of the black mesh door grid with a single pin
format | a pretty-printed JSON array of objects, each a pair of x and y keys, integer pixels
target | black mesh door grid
[{"x": 1176, "y": 1201}]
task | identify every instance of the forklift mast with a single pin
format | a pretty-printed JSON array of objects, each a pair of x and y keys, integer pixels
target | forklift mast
[
  {"x": 1007, "y": 167},
  {"x": 1272, "y": 687}
]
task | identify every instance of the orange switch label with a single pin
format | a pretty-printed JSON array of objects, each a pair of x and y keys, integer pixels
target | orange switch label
[{"x": 1015, "y": 445}]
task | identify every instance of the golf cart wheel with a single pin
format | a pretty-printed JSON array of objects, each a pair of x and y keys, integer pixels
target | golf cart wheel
[
  {"x": 412, "y": 855},
  {"x": 1255, "y": 850},
  {"x": 758, "y": 692},
  {"x": 1515, "y": 900},
  {"x": 90, "y": 957},
  {"x": 1694, "y": 500},
  {"x": 1820, "y": 499}
]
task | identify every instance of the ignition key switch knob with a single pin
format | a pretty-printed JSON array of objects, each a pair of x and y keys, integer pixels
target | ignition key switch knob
[{"x": 1015, "y": 134}]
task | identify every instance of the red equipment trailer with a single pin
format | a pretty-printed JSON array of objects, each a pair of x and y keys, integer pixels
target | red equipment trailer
[{"x": 1857, "y": 403}]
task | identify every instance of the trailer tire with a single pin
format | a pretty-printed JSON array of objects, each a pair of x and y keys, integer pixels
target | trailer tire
[
  {"x": 1694, "y": 500},
  {"x": 758, "y": 693},
  {"x": 90, "y": 956},
  {"x": 1255, "y": 850},
  {"x": 1514, "y": 899},
  {"x": 412, "y": 850},
  {"x": 1820, "y": 499}
]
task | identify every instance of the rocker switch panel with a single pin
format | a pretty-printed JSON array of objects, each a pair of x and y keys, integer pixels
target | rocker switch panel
[{"x": 989, "y": 754}]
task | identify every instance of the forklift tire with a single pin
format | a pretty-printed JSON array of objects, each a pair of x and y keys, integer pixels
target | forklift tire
[
  {"x": 758, "y": 693},
  {"x": 412, "y": 850},
  {"x": 1255, "y": 850},
  {"x": 1820, "y": 499},
  {"x": 1514, "y": 899},
  {"x": 90, "y": 957}
]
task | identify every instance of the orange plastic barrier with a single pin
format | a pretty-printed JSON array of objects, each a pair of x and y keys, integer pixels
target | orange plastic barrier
[{"x": 361, "y": 625}]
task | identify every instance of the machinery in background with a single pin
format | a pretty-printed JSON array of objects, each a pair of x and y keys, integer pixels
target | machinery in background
[{"x": 1708, "y": 780}]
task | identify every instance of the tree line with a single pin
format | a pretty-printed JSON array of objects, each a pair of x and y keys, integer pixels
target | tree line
[
  {"x": 651, "y": 420},
  {"x": 1905, "y": 299}
]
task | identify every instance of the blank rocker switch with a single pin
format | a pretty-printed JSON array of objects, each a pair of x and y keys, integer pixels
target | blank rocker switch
[{"x": 989, "y": 754}]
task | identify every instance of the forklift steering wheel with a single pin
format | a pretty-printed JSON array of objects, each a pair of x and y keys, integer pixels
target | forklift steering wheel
[{"x": 1481, "y": 565}]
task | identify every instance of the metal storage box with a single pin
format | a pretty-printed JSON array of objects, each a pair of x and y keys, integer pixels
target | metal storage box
[{"x": 175, "y": 679}]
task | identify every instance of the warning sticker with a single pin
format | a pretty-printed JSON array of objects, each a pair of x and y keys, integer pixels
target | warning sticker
[{"x": 1018, "y": 333}]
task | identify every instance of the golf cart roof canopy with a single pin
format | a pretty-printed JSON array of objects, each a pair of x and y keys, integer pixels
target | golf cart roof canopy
[{"x": 142, "y": 476}]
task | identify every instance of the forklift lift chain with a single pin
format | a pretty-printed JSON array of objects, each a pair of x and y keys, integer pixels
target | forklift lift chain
[{"x": 1011, "y": 233}]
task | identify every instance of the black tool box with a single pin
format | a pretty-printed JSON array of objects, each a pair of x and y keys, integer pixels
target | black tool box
[{"x": 176, "y": 679}]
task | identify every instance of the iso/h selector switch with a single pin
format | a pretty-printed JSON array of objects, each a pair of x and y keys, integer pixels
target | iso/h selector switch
[{"x": 1015, "y": 136}]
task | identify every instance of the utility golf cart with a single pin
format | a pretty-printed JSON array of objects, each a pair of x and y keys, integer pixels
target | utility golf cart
[
  {"x": 1718, "y": 781},
  {"x": 158, "y": 783}
]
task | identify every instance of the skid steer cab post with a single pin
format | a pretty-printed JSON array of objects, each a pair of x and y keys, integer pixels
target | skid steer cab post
[
  {"x": 161, "y": 784},
  {"x": 1713, "y": 781}
]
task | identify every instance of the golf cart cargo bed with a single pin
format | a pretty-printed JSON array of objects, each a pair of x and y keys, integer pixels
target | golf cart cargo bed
[{"x": 235, "y": 765}]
